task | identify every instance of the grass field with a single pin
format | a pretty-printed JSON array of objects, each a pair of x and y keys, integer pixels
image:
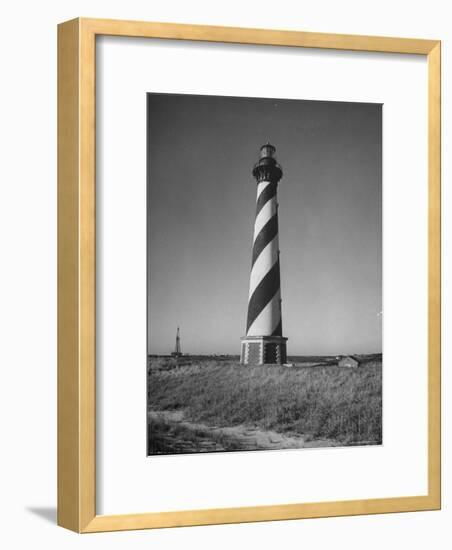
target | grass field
[{"x": 340, "y": 405}]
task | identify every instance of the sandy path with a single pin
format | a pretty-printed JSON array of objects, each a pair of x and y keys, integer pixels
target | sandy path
[{"x": 207, "y": 438}]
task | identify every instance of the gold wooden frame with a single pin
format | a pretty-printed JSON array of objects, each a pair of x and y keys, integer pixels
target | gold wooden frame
[{"x": 76, "y": 274}]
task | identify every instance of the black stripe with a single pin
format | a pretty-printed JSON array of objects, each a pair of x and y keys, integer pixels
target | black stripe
[
  {"x": 263, "y": 293},
  {"x": 266, "y": 234},
  {"x": 268, "y": 193},
  {"x": 278, "y": 329}
]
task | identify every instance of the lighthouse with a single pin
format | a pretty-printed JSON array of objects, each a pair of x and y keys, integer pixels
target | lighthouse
[
  {"x": 264, "y": 342},
  {"x": 177, "y": 350}
]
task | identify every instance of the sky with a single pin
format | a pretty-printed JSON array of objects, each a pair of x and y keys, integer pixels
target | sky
[{"x": 201, "y": 207}]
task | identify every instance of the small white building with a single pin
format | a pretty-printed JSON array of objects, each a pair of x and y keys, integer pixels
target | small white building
[{"x": 349, "y": 361}]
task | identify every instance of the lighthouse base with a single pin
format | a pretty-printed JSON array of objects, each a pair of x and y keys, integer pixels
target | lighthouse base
[{"x": 263, "y": 350}]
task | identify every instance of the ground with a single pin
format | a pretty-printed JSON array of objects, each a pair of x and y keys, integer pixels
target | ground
[{"x": 205, "y": 404}]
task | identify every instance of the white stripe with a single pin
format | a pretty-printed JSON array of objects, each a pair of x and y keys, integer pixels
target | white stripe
[
  {"x": 263, "y": 264},
  {"x": 268, "y": 319},
  {"x": 266, "y": 213},
  {"x": 260, "y": 187}
]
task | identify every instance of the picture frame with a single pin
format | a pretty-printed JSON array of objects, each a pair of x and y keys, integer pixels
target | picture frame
[{"x": 77, "y": 274}]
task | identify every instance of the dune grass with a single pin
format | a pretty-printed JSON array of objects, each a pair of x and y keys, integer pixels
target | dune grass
[{"x": 319, "y": 403}]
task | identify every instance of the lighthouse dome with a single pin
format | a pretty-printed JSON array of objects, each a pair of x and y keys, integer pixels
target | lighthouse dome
[
  {"x": 267, "y": 168},
  {"x": 267, "y": 151}
]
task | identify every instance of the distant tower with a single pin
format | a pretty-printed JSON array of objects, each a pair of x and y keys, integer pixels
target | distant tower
[
  {"x": 264, "y": 342},
  {"x": 177, "y": 351}
]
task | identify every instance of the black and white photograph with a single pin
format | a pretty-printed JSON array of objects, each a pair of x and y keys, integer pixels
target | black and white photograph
[
  {"x": 264, "y": 274},
  {"x": 226, "y": 275}
]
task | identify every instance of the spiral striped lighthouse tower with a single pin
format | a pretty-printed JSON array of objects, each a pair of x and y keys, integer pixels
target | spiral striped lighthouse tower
[{"x": 264, "y": 342}]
